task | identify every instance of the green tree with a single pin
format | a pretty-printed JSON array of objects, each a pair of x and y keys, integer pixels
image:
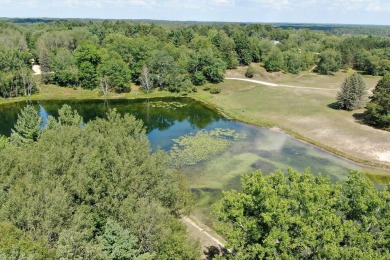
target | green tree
[
  {"x": 3, "y": 142},
  {"x": 119, "y": 244},
  {"x": 303, "y": 216},
  {"x": 88, "y": 75},
  {"x": 87, "y": 52},
  {"x": 26, "y": 127},
  {"x": 378, "y": 109},
  {"x": 204, "y": 62},
  {"x": 163, "y": 69},
  {"x": 274, "y": 61},
  {"x": 87, "y": 58},
  {"x": 66, "y": 117},
  {"x": 198, "y": 78},
  {"x": 15, "y": 244},
  {"x": 330, "y": 61},
  {"x": 114, "y": 73},
  {"x": 64, "y": 68},
  {"x": 87, "y": 175},
  {"x": 243, "y": 48},
  {"x": 294, "y": 62},
  {"x": 352, "y": 92}
]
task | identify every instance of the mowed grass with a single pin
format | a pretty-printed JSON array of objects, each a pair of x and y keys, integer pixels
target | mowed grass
[
  {"x": 307, "y": 114},
  {"x": 53, "y": 92}
]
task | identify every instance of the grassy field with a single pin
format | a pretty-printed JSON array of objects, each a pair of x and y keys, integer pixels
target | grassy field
[
  {"x": 307, "y": 114},
  {"x": 52, "y": 92}
]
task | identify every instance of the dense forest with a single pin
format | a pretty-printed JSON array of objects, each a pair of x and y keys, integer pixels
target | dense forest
[{"x": 111, "y": 54}]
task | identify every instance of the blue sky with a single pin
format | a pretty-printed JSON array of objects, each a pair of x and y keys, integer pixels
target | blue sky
[{"x": 295, "y": 11}]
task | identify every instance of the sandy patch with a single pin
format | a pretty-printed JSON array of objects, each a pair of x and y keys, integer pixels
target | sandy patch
[{"x": 37, "y": 69}]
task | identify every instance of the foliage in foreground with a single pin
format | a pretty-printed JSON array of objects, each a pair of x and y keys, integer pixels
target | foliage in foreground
[
  {"x": 352, "y": 92},
  {"x": 302, "y": 216},
  {"x": 93, "y": 191},
  {"x": 378, "y": 109}
]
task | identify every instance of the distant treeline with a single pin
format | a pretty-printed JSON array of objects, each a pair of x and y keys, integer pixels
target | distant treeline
[
  {"x": 110, "y": 54},
  {"x": 341, "y": 29}
]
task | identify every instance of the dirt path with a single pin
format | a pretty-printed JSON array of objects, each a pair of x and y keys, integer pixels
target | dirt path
[
  {"x": 277, "y": 85},
  {"x": 210, "y": 244}
]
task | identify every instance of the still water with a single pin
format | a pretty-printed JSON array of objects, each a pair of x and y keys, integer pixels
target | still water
[{"x": 170, "y": 118}]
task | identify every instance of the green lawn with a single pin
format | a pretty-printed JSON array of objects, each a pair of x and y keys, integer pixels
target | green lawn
[{"x": 306, "y": 113}]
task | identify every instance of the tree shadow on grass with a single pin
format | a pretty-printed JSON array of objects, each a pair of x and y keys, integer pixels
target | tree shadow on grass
[
  {"x": 360, "y": 118},
  {"x": 334, "y": 105},
  {"x": 213, "y": 251}
]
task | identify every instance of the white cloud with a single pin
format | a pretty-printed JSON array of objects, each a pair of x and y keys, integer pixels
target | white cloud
[
  {"x": 20, "y": 3},
  {"x": 222, "y": 2},
  {"x": 358, "y": 5}
]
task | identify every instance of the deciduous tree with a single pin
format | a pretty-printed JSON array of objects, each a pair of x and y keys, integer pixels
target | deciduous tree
[{"x": 303, "y": 216}]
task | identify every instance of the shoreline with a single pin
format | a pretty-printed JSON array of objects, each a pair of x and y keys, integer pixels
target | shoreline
[{"x": 367, "y": 164}]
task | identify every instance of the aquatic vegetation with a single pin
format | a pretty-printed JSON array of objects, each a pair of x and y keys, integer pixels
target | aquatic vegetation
[
  {"x": 167, "y": 105},
  {"x": 203, "y": 145}
]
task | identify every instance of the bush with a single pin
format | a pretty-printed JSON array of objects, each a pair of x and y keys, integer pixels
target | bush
[
  {"x": 215, "y": 90},
  {"x": 250, "y": 72},
  {"x": 198, "y": 78},
  {"x": 207, "y": 87}
]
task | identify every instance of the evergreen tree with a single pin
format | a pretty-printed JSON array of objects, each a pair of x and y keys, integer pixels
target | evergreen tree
[
  {"x": 352, "y": 92},
  {"x": 26, "y": 127},
  {"x": 378, "y": 109},
  {"x": 119, "y": 243}
]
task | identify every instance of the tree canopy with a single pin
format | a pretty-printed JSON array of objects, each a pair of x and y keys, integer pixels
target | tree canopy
[
  {"x": 178, "y": 56},
  {"x": 298, "y": 215},
  {"x": 93, "y": 191},
  {"x": 378, "y": 109}
]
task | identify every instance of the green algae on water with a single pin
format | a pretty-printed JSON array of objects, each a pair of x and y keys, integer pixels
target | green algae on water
[{"x": 202, "y": 146}]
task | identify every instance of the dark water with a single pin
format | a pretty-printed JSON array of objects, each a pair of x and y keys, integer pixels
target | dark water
[
  {"x": 163, "y": 118},
  {"x": 170, "y": 118}
]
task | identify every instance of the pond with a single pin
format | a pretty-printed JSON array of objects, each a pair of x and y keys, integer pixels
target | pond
[{"x": 171, "y": 118}]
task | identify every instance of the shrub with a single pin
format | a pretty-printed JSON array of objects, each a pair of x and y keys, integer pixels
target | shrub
[
  {"x": 215, "y": 90},
  {"x": 250, "y": 72}
]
